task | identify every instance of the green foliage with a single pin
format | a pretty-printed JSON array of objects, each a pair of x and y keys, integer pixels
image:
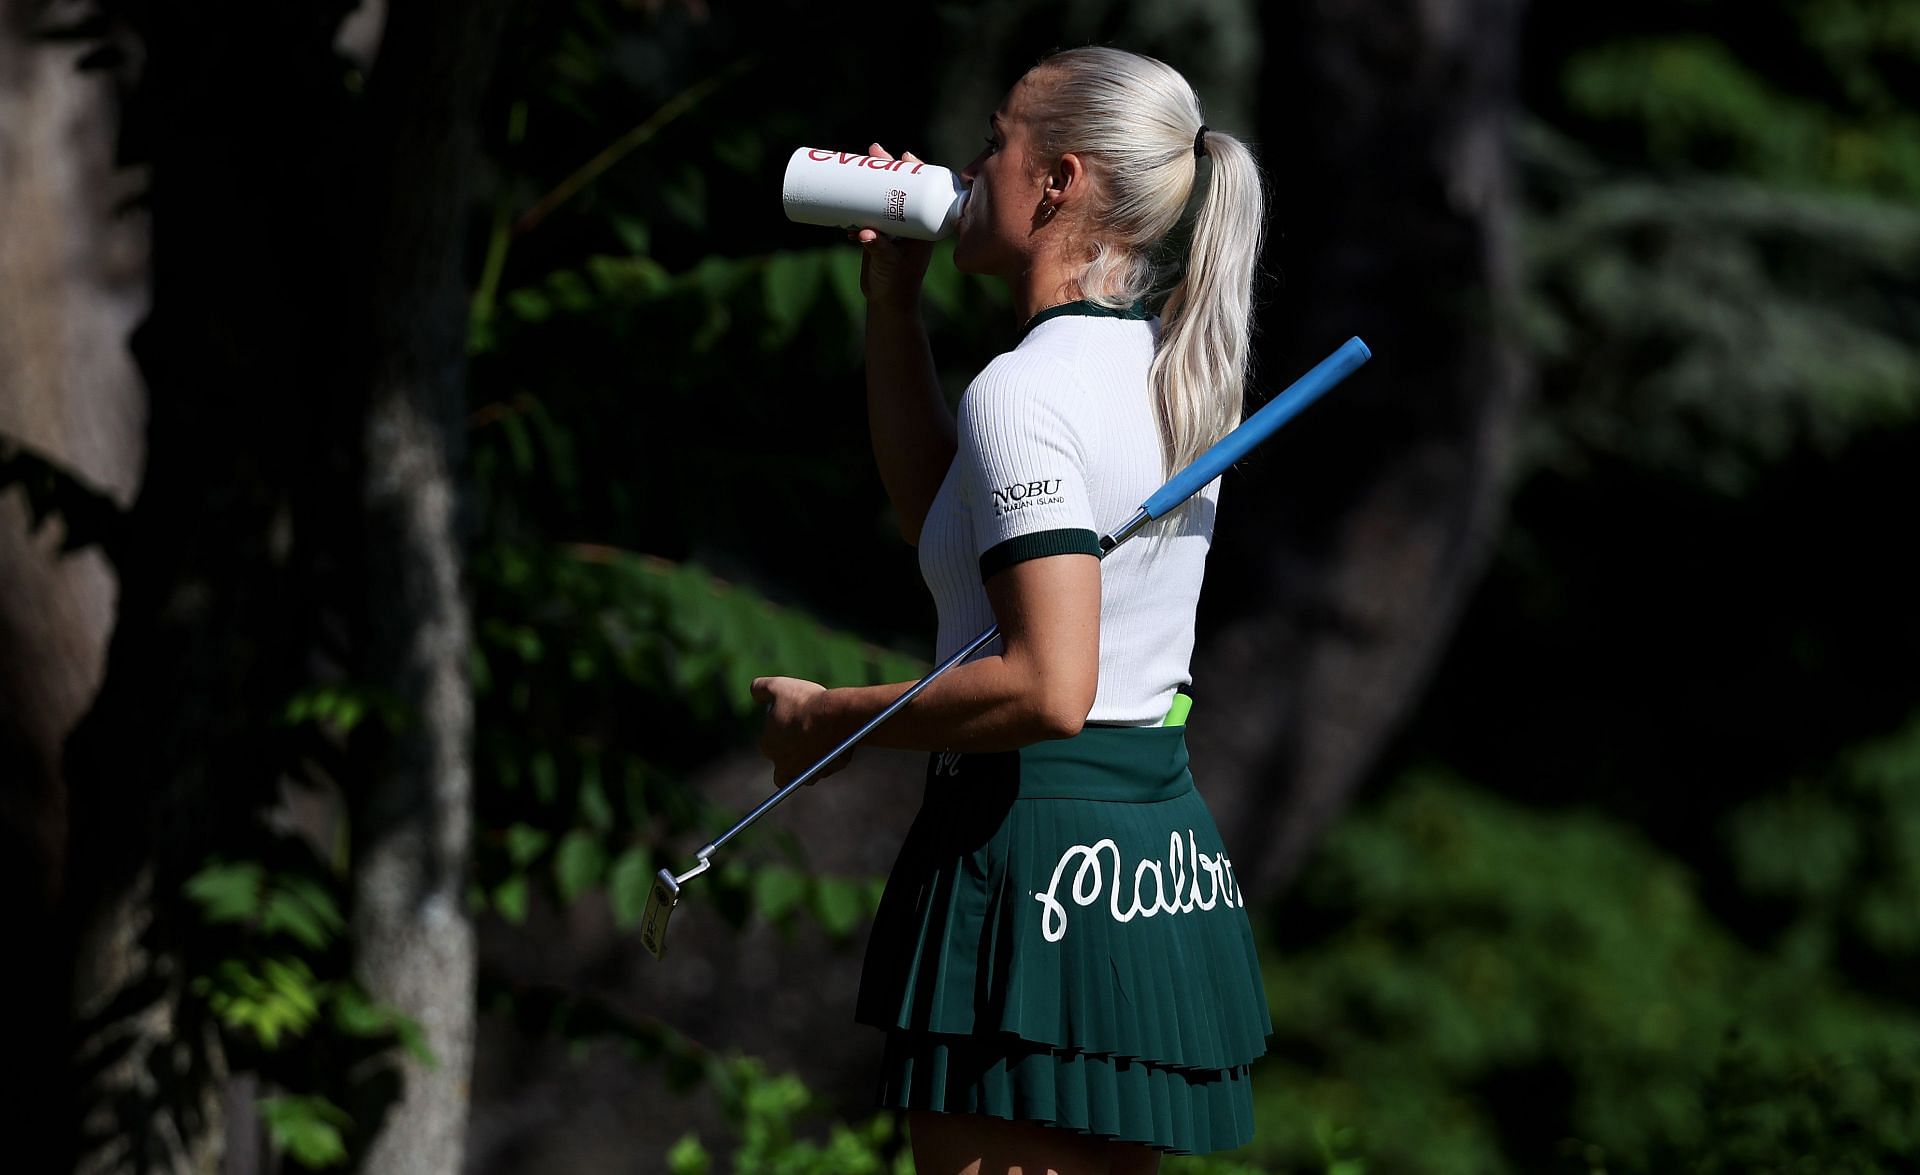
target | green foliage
[
  {"x": 336, "y": 710},
  {"x": 268, "y": 998},
  {"x": 1707, "y": 328},
  {"x": 280, "y": 990},
  {"x": 628, "y": 885},
  {"x": 1728, "y": 274},
  {"x": 308, "y": 1129},
  {"x": 765, "y": 1112},
  {"x": 1826, "y": 106},
  {"x": 1850, "y": 1115},
  {"x": 613, "y": 633},
  {"x": 1835, "y": 857},
  {"x": 840, "y": 906},
  {"x": 1455, "y": 1018},
  {"x": 1695, "y": 100}
]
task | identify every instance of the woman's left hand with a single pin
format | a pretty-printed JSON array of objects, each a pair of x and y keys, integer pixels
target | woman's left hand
[{"x": 793, "y": 738}]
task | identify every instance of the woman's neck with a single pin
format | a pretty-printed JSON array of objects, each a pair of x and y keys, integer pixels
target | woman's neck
[{"x": 1049, "y": 282}]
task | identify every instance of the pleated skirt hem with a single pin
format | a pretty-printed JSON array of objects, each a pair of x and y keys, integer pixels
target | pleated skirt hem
[{"x": 1171, "y": 1109}]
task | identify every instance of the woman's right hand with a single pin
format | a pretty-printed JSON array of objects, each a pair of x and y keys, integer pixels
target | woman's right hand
[{"x": 891, "y": 268}]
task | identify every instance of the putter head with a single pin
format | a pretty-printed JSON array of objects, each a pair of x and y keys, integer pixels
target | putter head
[{"x": 660, "y": 903}]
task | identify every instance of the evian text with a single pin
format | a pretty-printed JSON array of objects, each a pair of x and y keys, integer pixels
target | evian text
[{"x": 849, "y": 159}]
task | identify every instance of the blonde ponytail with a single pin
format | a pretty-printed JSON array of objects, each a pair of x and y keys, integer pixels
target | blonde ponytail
[{"x": 1137, "y": 123}]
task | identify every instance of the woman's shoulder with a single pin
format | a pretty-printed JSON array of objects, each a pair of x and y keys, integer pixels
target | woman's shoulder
[{"x": 1022, "y": 376}]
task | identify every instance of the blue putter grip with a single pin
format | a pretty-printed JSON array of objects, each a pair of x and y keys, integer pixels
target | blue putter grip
[{"x": 1258, "y": 427}]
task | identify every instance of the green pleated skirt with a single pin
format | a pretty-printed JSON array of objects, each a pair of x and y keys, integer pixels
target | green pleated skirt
[{"x": 1062, "y": 941}]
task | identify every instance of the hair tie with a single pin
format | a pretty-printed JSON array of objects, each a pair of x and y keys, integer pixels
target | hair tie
[{"x": 1200, "y": 142}]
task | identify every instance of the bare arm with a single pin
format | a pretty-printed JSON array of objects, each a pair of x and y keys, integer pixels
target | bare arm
[
  {"x": 1040, "y": 686},
  {"x": 908, "y": 418},
  {"x": 911, "y": 426}
]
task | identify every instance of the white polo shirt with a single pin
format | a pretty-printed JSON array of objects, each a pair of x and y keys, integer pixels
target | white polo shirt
[{"x": 1058, "y": 444}]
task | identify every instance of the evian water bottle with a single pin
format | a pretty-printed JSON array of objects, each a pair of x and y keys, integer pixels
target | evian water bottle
[{"x": 893, "y": 196}]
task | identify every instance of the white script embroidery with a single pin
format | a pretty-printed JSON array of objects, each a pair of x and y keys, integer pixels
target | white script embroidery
[
  {"x": 948, "y": 763},
  {"x": 1089, "y": 880}
]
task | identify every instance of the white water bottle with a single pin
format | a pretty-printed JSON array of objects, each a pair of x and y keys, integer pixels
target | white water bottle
[{"x": 848, "y": 190}]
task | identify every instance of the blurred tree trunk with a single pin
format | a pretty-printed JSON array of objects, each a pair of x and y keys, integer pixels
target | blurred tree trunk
[
  {"x": 72, "y": 283},
  {"x": 413, "y": 936},
  {"x": 1388, "y": 138},
  {"x": 246, "y": 553},
  {"x": 234, "y": 109}
]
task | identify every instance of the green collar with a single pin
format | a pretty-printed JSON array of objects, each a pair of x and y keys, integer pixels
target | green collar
[{"x": 1136, "y": 312}]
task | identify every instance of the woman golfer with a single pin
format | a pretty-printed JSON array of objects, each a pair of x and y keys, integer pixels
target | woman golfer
[{"x": 1062, "y": 963}]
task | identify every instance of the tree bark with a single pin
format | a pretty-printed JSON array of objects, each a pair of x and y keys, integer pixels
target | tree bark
[
  {"x": 179, "y": 752},
  {"x": 413, "y": 936},
  {"x": 72, "y": 282},
  {"x": 1366, "y": 527}
]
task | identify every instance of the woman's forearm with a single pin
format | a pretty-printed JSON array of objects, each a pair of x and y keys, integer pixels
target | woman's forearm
[
  {"x": 985, "y": 705},
  {"x": 911, "y": 425},
  {"x": 1040, "y": 686}
]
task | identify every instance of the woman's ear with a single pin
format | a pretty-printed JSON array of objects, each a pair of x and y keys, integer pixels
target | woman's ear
[{"x": 1067, "y": 181}]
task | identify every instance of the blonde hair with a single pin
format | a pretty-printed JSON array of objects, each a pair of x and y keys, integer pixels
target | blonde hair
[{"x": 1133, "y": 120}]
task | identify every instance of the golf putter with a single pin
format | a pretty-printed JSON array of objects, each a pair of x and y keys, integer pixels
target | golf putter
[{"x": 665, "y": 894}]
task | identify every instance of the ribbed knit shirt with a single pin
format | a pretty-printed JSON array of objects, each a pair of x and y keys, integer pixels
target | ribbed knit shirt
[{"x": 1058, "y": 443}]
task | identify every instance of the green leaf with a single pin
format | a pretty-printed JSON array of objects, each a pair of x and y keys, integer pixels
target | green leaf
[
  {"x": 510, "y": 899},
  {"x": 739, "y": 147},
  {"x": 629, "y": 883},
  {"x": 792, "y": 284},
  {"x": 282, "y": 997},
  {"x": 524, "y": 843},
  {"x": 634, "y": 235},
  {"x": 688, "y": 1157},
  {"x": 685, "y": 195},
  {"x": 630, "y": 279},
  {"x": 228, "y": 892},
  {"x": 839, "y": 905},
  {"x": 942, "y": 288},
  {"x": 594, "y": 806},
  {"x": 519, "y": 441},
  {"x": 301, "y": 907},
  {"x": 292, "y": 982},
  {"x": 570, "y": 290},
  {"x": 843, "y": 272},
  {"x": 546, "y": 777},
  {"x": 355, "y": 1013},
  {"x": 307, "y": 1127},
  {"x": 777, "y": 891},
  {"x": 578, "y": 863},
  {"x": 529, "y": 305},
  {"x": 413, "y": 1038}
]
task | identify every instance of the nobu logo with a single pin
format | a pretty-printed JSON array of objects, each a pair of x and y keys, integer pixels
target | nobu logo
[
  {"x": 1021, "y": 491},
  {"x": 1025, "y": 494}
]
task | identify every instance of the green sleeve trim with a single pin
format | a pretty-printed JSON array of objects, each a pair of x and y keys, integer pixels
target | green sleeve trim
[{"x": 1037, "y": 545}]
